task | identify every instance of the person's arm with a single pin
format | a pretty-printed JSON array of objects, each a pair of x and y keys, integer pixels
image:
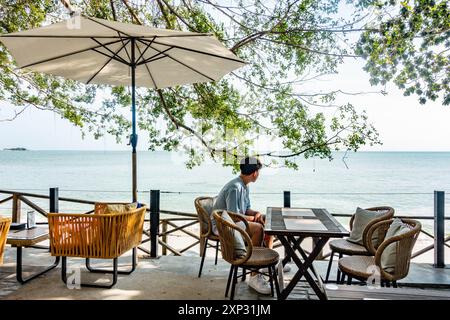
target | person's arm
[
  {"x": 232, "y": 200},
  {"x": 255, "y": 216}
]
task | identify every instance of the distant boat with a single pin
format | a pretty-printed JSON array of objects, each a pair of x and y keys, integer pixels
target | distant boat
[{"x": 15, "y": 149}]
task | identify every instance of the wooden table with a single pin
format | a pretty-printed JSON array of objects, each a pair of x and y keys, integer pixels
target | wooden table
[
  {"x": 28, "y": 238},
  {"x": 292, "y": 226}
]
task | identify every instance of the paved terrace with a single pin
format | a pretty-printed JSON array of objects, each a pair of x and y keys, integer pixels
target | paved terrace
[{"x": 175, "y": 277}]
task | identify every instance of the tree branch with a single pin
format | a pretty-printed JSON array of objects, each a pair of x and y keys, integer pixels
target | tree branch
[
  {"x": 113, "y": 9},
  {"x": 131, "y": 11},
  {"x": 179, "y": 16}
]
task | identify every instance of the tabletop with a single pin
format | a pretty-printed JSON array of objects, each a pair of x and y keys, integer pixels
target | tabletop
[
  {"x": 27, "y": 236},
  {"x": 303, "y": 222}
]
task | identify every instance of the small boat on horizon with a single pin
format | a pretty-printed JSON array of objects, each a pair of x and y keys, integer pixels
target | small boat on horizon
[{"x": 15, "y": 149}]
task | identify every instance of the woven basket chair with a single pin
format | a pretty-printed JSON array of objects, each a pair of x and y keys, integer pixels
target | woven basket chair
[
  {"x": 4, "y": 229},
  {"x": 98, "y": 236},
  {"x": 344, "y": 247},
  {"x": 359, "y": 267},
  {"x": 204, "y": 206},
  {"x": 255, "y": 259}
]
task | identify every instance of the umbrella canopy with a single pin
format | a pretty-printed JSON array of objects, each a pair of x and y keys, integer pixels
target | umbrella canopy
[{"x": 98, "y": 51}]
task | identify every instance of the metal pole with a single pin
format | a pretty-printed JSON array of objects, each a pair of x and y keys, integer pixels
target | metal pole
[
  {"x": 154, "y": 222},
  {"x": 287, "y": 199},
  {"x": 133, "y": 138},
  {"x": 54, "y": 200},
  {"x": 439, "y": 229}
]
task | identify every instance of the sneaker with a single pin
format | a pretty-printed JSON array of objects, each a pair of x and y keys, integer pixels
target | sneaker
[{"x": 258, "y": 284}]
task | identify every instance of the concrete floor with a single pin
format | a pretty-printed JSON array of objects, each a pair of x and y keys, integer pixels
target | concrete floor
[{"x": 173, "y": 277}]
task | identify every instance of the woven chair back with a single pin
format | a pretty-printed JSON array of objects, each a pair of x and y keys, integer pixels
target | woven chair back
[
  {"x": 4, "y": 229},
  {"x": 102, "y": 236},
  {"x": 204, "y": 206},
  {"x": 227, "y": 232},
  {"x": 404, "y": 246}
]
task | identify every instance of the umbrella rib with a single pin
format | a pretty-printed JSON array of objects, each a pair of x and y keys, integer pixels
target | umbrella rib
[
  {"x": 198, "y": 51},
  {"x": 54, "y": 36},
  {"x": 150, "y": 59},
  {"x": 112, "y": 52},
  {"x": 106, "y": 26},
  {"x": 184, "y": 64},
  {"x": 66, "y": 55},
  {"x": 128, "y": 54},
  {"x": 142, "y": 54},
  {"x": 112, "y": 57},
  {"x": 107, "y": 62},
  {"x": 148, "y": 70}
]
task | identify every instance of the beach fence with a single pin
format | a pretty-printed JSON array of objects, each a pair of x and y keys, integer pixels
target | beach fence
[{"x": 160, "y": 224}]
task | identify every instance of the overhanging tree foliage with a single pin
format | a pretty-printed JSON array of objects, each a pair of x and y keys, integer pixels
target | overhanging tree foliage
[{"x": 287, "y": 43}]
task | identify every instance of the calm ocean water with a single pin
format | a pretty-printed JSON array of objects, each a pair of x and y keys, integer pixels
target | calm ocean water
[{"x": 403, "y": 180}]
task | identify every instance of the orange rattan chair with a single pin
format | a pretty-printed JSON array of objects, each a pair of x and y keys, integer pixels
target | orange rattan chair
[
  {"x": 204, "y": 206},
  {"x": 362, "y": 267},
  {"x": 4, "y": 229},
  {"x": 97, "y": 236},
  {"x": 255, "y": 258},
  {"x": 344, "y": 247}
]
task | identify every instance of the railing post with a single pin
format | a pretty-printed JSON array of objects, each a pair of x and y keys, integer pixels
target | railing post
[
  {"x": 286, "y": 199},
  {"x": 16, "y": 208},
  {"x": 439, "y": 229},
  {"x": 54, "y": 200},
  {"x": 154, "y": 222},
  {"x": 164, "y": 237},
  {"x": 286, "y": 204}
]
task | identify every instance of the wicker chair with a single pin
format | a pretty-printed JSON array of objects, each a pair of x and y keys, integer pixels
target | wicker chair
[
  {"x": 361, "y": 267},
  {"x": 98, "y": 236},
  {"x": 4, "y": 228},
  {"x": 255, "y": 259},
  {"x": 204, "y": 206},
  {"x": 345, "y": 247}
]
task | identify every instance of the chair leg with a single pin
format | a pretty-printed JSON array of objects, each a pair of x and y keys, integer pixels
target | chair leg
[
  {"x": 338, "y": 277},
  {"x": 349, "y": 280},
  {"x": 394, "y": 284},
  {"x": 271, "y": 275},
  {"x": 133, "y": 265},
  {"x": 203, "y": 258},
  {"x": 329, "y": 266},
  {"x": 217, "y": 251},
  {"x": 91, "y": 285},
  {"x": 244, "y": 274},
  {"x": 388, "y": 284},
  {"x": 342, "y": 279},
  {"x": 230, "y": 275},
  {"x": 233, "y": 284}
]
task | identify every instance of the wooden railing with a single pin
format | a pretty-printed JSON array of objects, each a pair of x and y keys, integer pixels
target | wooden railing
[{"x": 160, "y": 229}]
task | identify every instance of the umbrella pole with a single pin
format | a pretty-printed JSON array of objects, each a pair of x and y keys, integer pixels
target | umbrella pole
[{"x": 133, "y": 121}]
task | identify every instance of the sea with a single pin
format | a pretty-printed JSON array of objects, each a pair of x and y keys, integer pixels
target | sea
[{"x": 405, "y": 181}]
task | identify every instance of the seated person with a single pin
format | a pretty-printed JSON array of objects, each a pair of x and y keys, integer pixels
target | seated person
[{"x": 234, "y": 197}]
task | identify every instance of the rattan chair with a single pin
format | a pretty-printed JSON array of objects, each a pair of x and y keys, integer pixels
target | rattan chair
[
  {"x": 345, "y": 247},
  {"x": 255, "y": 259},
  {"x": 4, "y": 229},
  {"x": 96, "y": 236},
  {"x": 204, "y": 206},
  {"x": 362, "y": 267}
]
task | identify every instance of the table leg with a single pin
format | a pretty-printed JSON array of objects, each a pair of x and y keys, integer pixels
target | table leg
[
  {"x": 19, "y": 268},
  {"x": 303, "y": 266},
  {"x": 319, "y": 288}
]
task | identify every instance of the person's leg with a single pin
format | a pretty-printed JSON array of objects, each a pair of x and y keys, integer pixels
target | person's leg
[
  {"x": 256, "y": 233},
  {"x": 256, "y": 280}
]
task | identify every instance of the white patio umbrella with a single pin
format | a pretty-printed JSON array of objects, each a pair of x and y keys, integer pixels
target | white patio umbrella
[{"x": 98, "y": 51}]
